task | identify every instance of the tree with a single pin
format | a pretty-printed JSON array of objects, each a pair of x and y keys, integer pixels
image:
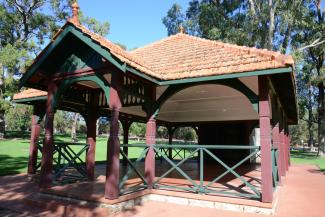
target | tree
[
  {"x": 174, "y": 19},
  {"x": 25, "y": 26},
  {"x": 75, "y": 121},
  {"x": 18, "y": 118},
  {"x": 312, "y": 39},
  {"x": 284, "y": 26}
]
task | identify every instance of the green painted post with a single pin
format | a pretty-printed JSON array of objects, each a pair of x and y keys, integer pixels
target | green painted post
[{"x": 201, "y": 190}]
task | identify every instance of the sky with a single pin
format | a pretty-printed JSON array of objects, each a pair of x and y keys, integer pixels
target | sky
[{"x": 133, "y": 23}]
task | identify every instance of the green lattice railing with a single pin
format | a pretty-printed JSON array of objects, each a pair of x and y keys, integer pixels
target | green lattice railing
[{"x": 189, "y": 152}]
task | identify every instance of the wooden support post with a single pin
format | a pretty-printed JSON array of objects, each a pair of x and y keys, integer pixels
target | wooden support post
[
  {"x": 282, "y": 146},
  {"x": 48, "y": 146},
  {"x": 38, "y": 113},
  {"x": 170, "y": 141},
  {"x": 265, "y": 133},
  {"x": 289, "y": 142},
  {"x": 91, "y": 122},
  {"x": 126, "y": 127},
  {"x": 113, "y": 144},
  {"x": 150, "y": 158},
  {"x": 150, "y": 163},
  {"x": 276, "y": 144},
  {"x": 286, "y": 142}
]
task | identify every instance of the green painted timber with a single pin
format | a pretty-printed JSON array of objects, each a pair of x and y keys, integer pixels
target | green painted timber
[
  {"x": 26, "y": 100},
  {"x": 233, "y": 168},
  {"x": 228, "y": 76},
  {"x": 102, "y": 83},
  {"x": 199, "y": 186},
  {"x": 83, "y": 37},
  {"x": 43, "y": 56},
  {"x": 133, "y": 167}
]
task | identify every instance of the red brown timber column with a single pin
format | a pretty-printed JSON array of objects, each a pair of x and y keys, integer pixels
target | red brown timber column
[
  {"x": 287, "y": 147},
  {"x": 282, "y": 146},
  {"x": 150, "y": 141},
  {"x": 265, "y": 131},
  {"x": 91, "y": 122},
  {"x": 48, "y": 145},
  {"x": 113, "y": 145},
  {"x": 35, "y": 132}
]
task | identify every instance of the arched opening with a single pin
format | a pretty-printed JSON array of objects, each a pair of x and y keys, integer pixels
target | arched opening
[{"x": 223, "y": 116}]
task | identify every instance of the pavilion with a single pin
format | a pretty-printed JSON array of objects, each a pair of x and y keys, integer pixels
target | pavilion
[{"x": 222, "y": 90}]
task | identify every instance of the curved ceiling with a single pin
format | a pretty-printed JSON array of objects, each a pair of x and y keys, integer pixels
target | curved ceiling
[{"x": 207, "y": 103}]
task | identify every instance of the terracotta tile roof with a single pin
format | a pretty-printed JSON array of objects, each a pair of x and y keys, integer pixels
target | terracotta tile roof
[
  {"x": 29, "y": 93},
  {"x": 183, "y": 56}
]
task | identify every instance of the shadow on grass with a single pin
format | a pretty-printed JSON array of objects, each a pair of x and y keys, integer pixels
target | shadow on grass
[
  {"x": 303, "y": 154},
  {"x": 11, "y": 165}
]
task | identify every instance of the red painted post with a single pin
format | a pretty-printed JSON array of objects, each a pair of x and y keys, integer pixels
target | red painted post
[
  {"x": 289, "y": 142},
  {"x": 113, "y": 144},
  {"x": 286, "y": 142},
  {"x": 265, "y": 134},
  {"x": 48, "y": 146},
  {"x": 35, "y": 132},
  {"x": 150, "y": 163},
  {"x": 91, "y": 122},
  {"x": 281, "y": 144},
  {"x": 283, "y": 152},
  {"x": 150, "y": 158},
  {"x": 276, "y": 143}
]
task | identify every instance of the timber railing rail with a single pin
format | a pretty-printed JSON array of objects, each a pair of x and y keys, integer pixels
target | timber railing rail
[
  {"x": 67, "y": 155},
  {"x": 200, "y": 186}
]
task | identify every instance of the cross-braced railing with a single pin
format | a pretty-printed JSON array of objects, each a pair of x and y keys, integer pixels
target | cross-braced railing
[
  {"x": 275, "y": 167},
  {"x": 200, "y": 186},
  {"x": 66, "y": 156}
]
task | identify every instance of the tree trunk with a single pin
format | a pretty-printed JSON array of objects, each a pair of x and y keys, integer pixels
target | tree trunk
[
  {"x": 74, "y": 127},
  {"x": 321, "y": 120},
  {"x": 97, "y": 127},
  {"x": 310, "y": 118},
  {"x": 2, "y": 111},
  {"x": 271, "y": 26}
]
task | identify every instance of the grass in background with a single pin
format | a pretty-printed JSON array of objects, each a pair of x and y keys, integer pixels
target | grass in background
[
  {"x": 14, "y": 154},
  {"x": 306, "y": 157}
]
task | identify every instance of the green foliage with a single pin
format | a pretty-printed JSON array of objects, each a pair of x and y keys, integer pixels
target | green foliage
[
  {"x": 138, "y": 129},
  {"x": 25, "y": 27},
  {"x": 94, "y": 25},
  {"x": 174, "y": 19},
  {"x": 62, "y": 122},
  {"x": 18, "y": 118},
  {"x": 123, "y": 46},
  {"x": 185, "y": 133},
  {"x": 285, "y": 26}
]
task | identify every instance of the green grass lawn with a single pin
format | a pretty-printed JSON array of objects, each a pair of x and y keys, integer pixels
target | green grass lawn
[
  {"x": 14, "y": 154},
  {"x": 306, "y": 157}
]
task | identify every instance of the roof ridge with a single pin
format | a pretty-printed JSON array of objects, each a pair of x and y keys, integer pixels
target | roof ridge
[{"x": 274, "y": 55}]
